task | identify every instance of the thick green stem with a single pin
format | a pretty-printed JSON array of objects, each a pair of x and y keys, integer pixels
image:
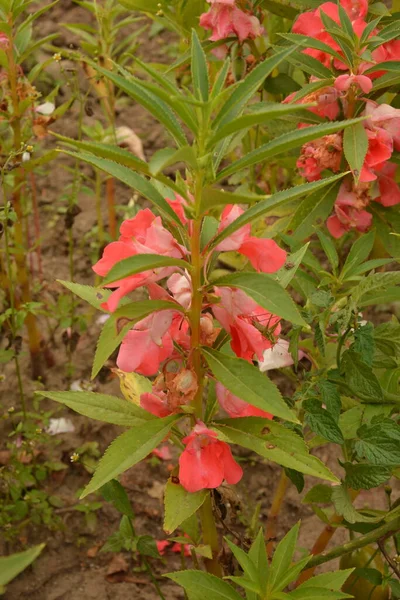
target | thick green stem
[
  {"x": 195, "y": 314},
  {"x": 210, "y": 537},
  {"x": 383, "y": 531}
]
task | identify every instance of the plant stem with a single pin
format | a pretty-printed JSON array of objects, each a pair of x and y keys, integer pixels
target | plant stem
[
  {"x": 195, "y": 314},
  {"x": 270, "y": 534},
  {"x": 210, "y": 537},
  {"x": 386, "y": 530},
  {"x": 22, "y": 272}
]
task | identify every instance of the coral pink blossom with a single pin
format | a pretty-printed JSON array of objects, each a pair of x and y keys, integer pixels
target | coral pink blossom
[
  {"x": 162, "y": 545},
  {"x": 177, "y": 204},
  {"x": 235, "y": 407},
  {"x": 243, "y": 319},
  {"x": 384, "y": 117},
  {"x": 156, "y": 403},
  {"x": 206, "y": 461},
  {"x": 326, "y": 99},
  {"x": 389, "y": 191},
  {"x": 4, "y": 41},
  {"x": 225, "y": 19},
  {"x": 349, "y": 212},
  {"x": 264, "y": 254},
  {"x": 163, "y": 452},
  {"x": 355, "y": 8},
  {"x": 343, "y": 83},
  {"x": 144, "y": 234},
  {"x": 146, "y": 346},
  {"x": 380, "y": 148}
]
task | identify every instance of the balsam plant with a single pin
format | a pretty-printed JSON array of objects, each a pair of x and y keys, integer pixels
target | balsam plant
[{"x": 208, "y": 337}]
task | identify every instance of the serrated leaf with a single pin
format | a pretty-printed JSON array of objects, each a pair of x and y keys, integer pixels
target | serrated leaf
[
  {"x": 94, "y": 296},
  {"x": 322, "y": 422},
  {"x": 266, "y": 291},
  {"x": 379, "y": 443},
  {"x": 359, "y": 252},
  {"x": 101, "y": 407},
  {"x": 365, "y": 476},
  {"x": 115, "y": 493},
  {"x": 139, "y": 263},
  {"x": 128, "y": 449},
  {"x": 344, "y": 507},
  {"x": 13, "y": 565},
  {"x": 312, "y": 212},
  {"x": 199, "y": 585},
  {"x": 179, "y": 505},
  {"x": 355, "y": 146},
  {"x": 248, "y": 383},
  {"x": 199, "y": 69},
  {"x": 360, "y": 377},
  {"x": 280, "y": 445}
]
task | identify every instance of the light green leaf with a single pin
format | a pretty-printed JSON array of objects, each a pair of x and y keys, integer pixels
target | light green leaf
[
  {"x": 248, "y": 383},
  {"x": 179, "y": 505},
  {"x": 312, "y": 211},
  {"x": 11, "y": 566},
  {"x": 355, "y": 146},
  {"x": 199, "y": 69},
  {"x": 101, "y": 407},
  {"x": 203, "y": 586},
  {"x": 139, "y": 263},
  {"x": 128, "y": 449},
  {"x": 344, "y": 507},
  {"x": 169, "y": 156},
  {"x": 282, "y": 558},
  {"x": 359, "y": 252},
  {"x": 94, "y": 296}
]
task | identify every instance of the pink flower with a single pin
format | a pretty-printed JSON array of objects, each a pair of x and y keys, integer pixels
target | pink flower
[
  {"x": 349, "y": 210},
  {"x": 318, "y": 155},
  {"x": 235, "y": 407},
  {"x": 224, "y": 19},
  {"x": 343, "y": 83},
  {"x": 177, "y": 204},
  {"x": 147, "y": 345},
  {"x": 163, "y": 452},
  {"x": 385, "y": 117},
  {"x": 326, "y": 99},
  {"x": 177, "y": 547},
  {"x": 162, "y": 545},
  {"x": 156, "y": 403},
  {"x": 355, "y": 8},
  {"x": 4, "y": 41},
  {"x": 206, "y": 461},
  {"x": 243, "y": 319},
  {"x": 380, "y": 149},
  {"x": 264, "y": 254},
  {"x": 144, "y": 234},
  {"x": 389, "y": 191}
]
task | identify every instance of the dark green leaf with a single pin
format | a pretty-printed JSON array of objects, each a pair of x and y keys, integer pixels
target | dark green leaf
[
  {"x": 139, "y": 263},
  {"x": 365, "y": 476},
  {"x": 355, "y": 146},
  {"x": 322, "y": 422},
  {"x": 114, "y": 493},
  {"x": 379, "y": 443}
]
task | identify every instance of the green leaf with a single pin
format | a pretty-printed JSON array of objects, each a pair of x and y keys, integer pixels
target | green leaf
[
  {"x": 179, "y": 505},
  {"x": 359, "y": 252},
  {"x": 248, "y": 87},
  {"x": 139, "y": 263},
  {"x": 265, "y": 206},
  {"x": 282, "y": 558},
  {"x": 364, "y": 343},
  {"x": 199, "y": 69},
  {"x": 329, "y": 248},
  {"x": 284, "y": 143},
  {"x": 131, "y": 179},
  {"x": 344, "y": 507},
  {"x": 360, "y": 378},
  {"x": 170, "y": 156},
  {"x": 379, "y": 443},
  {"x": 325, "y": 586},
  {"x": 102, "y": 407},
  {"x": 11, "y": 566},
  {"x": 157, "y": 107},
  {"x": 244, "y": 560},
  {"x": 266, "y": 291},
  {"x": 127, "y": 450},
  {"x": 293, "y": 262},
  {"x": 321, "y": 422},
  {"x": 200, "y": 586},
  {"x": 355, "y": 146},
  {"x": 256, "y": 117},
  {"x": 146, "y": 546},
  {"x": 94, "y": 296},
  {"x": 275, "y": 443},
  {"x": 320, "y": 494},
  {"x": 364, "y": 476},
  {"x": 312, "y": 211},
  {"x": 248, "y": 383},
  {"x": 114, "y": 493},
  {"x": 331, "y": 398}
]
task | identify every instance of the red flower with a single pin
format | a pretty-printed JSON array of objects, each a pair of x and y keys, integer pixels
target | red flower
[
  {"x": 349, "y": 210},
  {"x": 235, "y": 407},
  {"x": 243, "y": 319},
  {"x": 206, "y": 461},
  {"x": 389, "y": 191},
  {"x": 264, "y": 254},
  {"x": 225, "y": 19}
]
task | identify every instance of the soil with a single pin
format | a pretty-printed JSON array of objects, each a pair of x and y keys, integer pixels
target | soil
[{"x": 71, "y": 566}]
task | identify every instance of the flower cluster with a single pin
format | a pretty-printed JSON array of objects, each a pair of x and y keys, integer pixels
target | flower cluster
[
  {"x": 225, "y": 18},
  {"x": 160, "y": 344},
  {"x": 376, "y": 181}
]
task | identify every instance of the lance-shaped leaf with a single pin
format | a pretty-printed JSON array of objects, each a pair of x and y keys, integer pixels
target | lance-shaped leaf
[
  {"x": 139, "y": 263},
  {"x": 157, "y": 107},
  {"x": 355, "y": 146},
  {"x": 170, "y": 156},
  {"x": 128, "y": 449},
  {"x": 200, "y": 586},
  {"x": 199, "y": 69},
  {"x": 276, "y": 443},
  {"x": 248, "y": 383},
  {"x": 310, "y": 42},
  {"x": 102, "y": 407},
  {"x": 248, "y": 87},
  {"x": 179, "y": 505},
  {"x": 11, "y": 566},
  {"x": 265, "y": 206},
  {"x": 312, "y": 211},
  {"x": 267, "y": 292},
  {"x": 257, "y": 117},
  {"x": 131, "y": 179},
  {"x": 284, "y": 143},
  {"x": 94, "y": 296}
]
